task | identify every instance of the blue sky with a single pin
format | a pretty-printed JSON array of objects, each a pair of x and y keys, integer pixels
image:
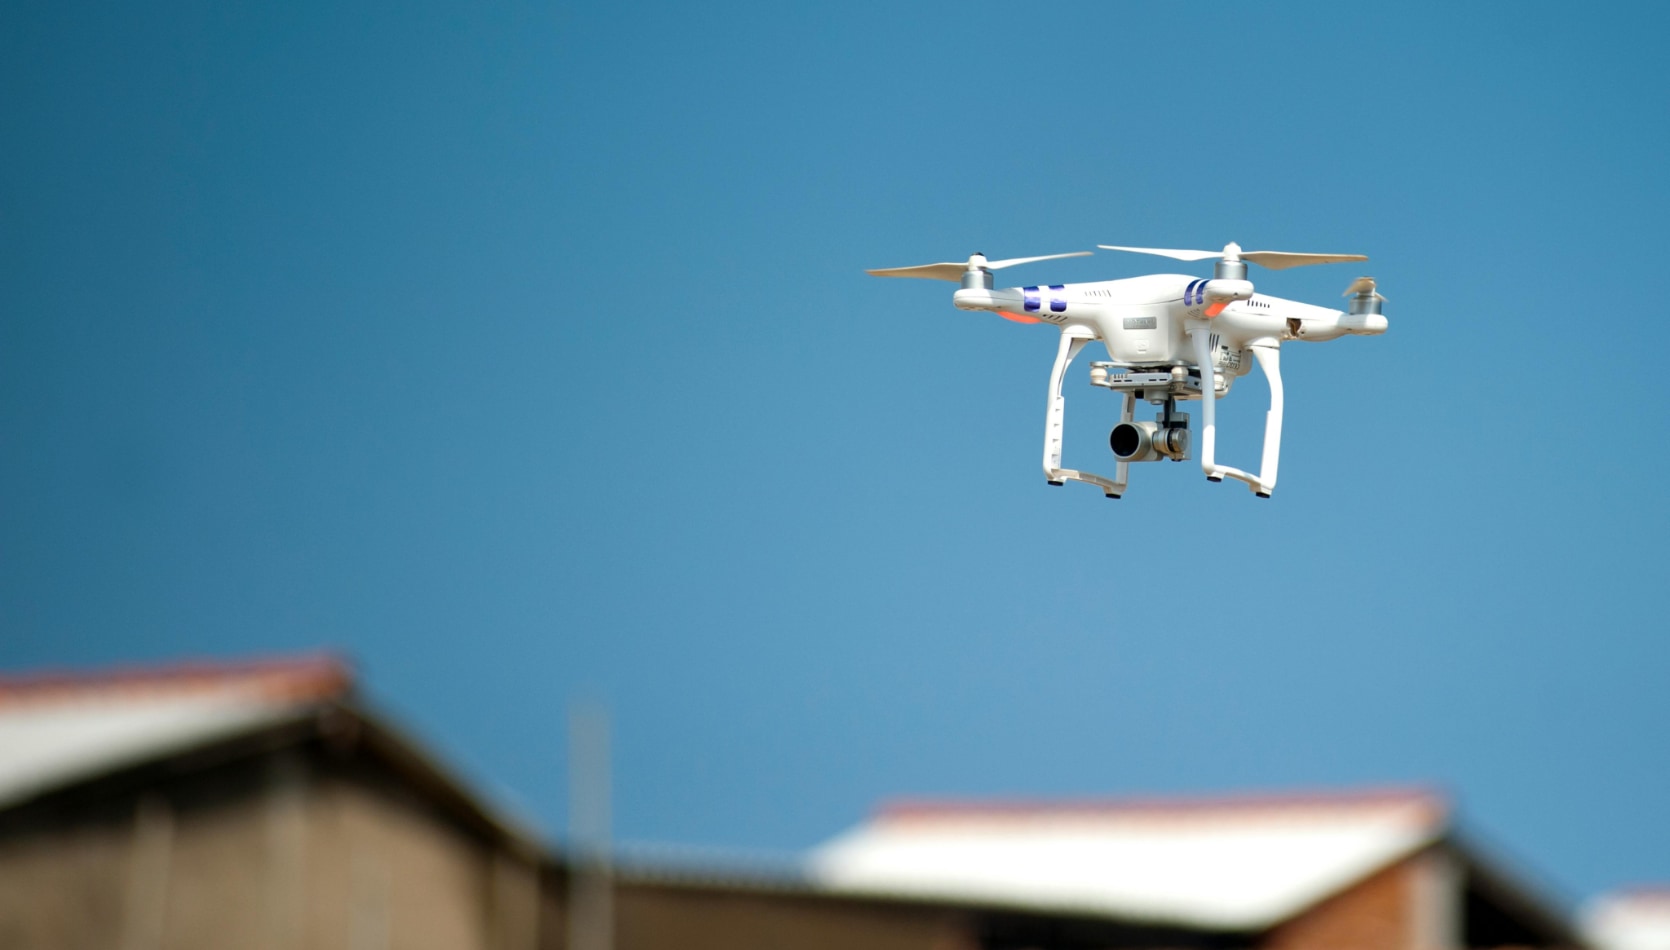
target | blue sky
[{"x": 526, "y": 354}]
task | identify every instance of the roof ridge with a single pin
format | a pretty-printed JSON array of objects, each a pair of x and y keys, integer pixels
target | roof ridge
[
  {"x": 911, "y": 808},
  {"x": 318, "y": 675}
]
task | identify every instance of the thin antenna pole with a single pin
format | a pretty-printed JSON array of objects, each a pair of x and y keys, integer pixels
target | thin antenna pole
[{"x": 591, "y": 887}]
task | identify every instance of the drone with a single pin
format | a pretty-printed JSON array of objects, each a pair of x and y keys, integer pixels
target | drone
[{"x": 1170, "y": 338}]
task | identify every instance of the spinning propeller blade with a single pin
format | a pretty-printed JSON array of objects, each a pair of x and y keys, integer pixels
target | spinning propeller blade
[
  {"x": 1282, "y": 260},
  {"x": 1365, "y": 286},
  {"x": 1165, "y": 252},
  {"x": 930, "y": 271},
  {"x": 1275, "y": 260},
  {"x": 1011, "y": 262},
  {"x": 954, "y": 272}
]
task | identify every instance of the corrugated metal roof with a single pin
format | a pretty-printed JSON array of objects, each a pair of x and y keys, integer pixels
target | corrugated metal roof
[
  {"x": 1239, "y": 864},
  {"x": 1633, "y": 919},
  {"x": 57, "y": 729}
]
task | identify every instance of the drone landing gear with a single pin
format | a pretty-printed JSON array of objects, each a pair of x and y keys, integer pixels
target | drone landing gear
[
  {"x": 1268, "y": 354},
  {"x": 1073, "y": 340}
]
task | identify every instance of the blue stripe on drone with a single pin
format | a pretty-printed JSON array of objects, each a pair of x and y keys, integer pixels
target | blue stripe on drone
[
  {"x": 1058, "y": 298},
  {"x": 1189, "y": 292},
  {"x": 1031, "y": 294}
]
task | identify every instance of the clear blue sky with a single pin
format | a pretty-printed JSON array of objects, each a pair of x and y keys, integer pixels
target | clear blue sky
[{"x": 526, "y": 353}]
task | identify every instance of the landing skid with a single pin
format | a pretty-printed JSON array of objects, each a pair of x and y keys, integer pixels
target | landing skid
[
  {"x": 1073, "y": 340},
  {"x": 1176, "y": 383}
]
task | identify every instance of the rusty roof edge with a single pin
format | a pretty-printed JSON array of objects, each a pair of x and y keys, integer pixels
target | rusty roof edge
[
  {"x": 1432, "y": 797},
  {"x": 308, "y": 676}
]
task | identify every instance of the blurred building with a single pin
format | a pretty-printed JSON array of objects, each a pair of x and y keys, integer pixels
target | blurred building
[
  {"x": 1360, "y": 869},
  {"x": 253, "y": 805},
  {"x": 1637, "y": 918},
  {"x": 263, "y": 805}
]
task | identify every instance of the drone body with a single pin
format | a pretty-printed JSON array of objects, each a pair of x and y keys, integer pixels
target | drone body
[{"x": 1164, "y": 335}]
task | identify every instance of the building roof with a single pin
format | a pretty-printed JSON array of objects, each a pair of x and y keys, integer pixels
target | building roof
[
  {"x": 58, "y": 729},
  {"x": 65, "y": 731},
  {"x": 1637, "y": 918},
  {"x": 1235, "y": 864}
]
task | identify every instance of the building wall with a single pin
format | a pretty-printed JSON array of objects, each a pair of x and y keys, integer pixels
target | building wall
[
  {"x": 392, "y": 875},
  {"x": 62, "y": 885},
  {"x": 1410, "y": 905},
  {"x": 650, "y": 917},
  {"x": 285, "y": 851}
]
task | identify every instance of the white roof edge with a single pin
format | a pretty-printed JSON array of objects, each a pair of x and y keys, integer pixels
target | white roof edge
[
  {"x": 1085, "y": 908},
  {"x": 61, "y": 755},
  {"x": 1224, "y": 869}
]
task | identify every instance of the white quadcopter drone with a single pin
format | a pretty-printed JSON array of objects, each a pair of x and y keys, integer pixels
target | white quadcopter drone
[{"x": 1163, "y": 333}]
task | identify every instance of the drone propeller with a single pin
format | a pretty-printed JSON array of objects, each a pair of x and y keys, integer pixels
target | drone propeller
[
  {"x": 1364, "y": 287},
  {"x": 1275, "y": 260},
  {"x": 1363, "y": 311},
  {"x": 954, "y": 271}
]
